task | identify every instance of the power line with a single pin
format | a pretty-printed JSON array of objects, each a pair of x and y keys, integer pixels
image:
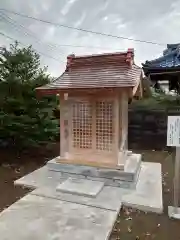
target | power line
[
  {"x": 29, "y": 33},
  {"x": 23, "y": 29},
  {"x": 79, "y": 29},
  {"x": 58, "y": 46},
  {"x": 52, "y": 45},
  {"x": 46, "y": 55},
  {"x": 85, "y": 46}
]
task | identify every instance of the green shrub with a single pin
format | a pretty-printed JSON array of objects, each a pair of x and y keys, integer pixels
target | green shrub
[
  {"x": 158, "y": 101},
  {"x": 25, "y": 120}
]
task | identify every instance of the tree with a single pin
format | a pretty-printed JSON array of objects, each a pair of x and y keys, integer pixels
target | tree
[{"x": 25, "y": 120}]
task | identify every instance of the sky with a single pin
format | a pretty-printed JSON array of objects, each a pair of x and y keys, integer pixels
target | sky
[{"x": 155, "y": 20}]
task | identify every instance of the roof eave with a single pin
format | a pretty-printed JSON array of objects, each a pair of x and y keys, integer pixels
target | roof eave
[{"x": 54, "y": 91}]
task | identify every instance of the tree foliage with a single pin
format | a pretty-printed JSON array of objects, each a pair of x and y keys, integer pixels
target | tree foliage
[{"x": 25, "y": 120}]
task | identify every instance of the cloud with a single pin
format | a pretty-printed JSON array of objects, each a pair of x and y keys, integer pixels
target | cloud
[
  {"x": 67, "y": 6},
  {"x": 156, "y": 21}
]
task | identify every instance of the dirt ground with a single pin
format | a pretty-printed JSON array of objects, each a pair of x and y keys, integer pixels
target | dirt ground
[
  {"x": 134, "y": 225},
  {"x": 131, "y": 225},
  {"x": 14, "y": 165}
]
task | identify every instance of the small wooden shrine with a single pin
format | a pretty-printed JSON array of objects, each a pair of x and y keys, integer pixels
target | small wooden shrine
[{"x": 94, "y": 93}]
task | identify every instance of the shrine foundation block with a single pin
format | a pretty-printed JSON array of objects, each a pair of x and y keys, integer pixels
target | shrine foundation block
[{"x": 125, "y": 178}]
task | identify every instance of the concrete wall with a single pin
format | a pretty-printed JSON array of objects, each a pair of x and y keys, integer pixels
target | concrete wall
[{"x": 148, "y": 128}]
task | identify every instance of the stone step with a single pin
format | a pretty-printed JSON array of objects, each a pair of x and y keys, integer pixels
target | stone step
[{"x": 81, "y": 187}]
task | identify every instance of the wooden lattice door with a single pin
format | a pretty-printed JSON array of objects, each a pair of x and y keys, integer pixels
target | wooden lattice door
[
  {"x": 104, "y": 125},
  {"x": 82, "y": 125},
  {"x": 92, "y": 129}
]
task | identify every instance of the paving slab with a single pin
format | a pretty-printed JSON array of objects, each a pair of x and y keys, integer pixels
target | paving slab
[
  {"x": 82, "y": 187},
  {"x": 174, "y": 212},
  {"x": 148, "y": 193},
  {"x": 40, "y": 178},
  {"x": 40, "y": 218},
  {"x": 109, "y": 198}
]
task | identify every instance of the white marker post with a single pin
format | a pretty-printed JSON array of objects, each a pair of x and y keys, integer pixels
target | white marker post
[{"x": 173, "y": 140}]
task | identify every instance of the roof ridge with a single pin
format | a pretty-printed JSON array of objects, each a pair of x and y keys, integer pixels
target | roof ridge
[
  {"x": 127, "y": 57},
  {"x": 130, "y": 50}
]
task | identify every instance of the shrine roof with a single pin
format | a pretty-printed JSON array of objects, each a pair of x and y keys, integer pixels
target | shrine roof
[
  {"x": 98, "y": 71},
  {"x": 167, "y": 62}
]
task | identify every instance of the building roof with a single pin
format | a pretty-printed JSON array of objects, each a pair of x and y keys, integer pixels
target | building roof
[
  {"x": 169, "y": 61},
  {"x": 98, "y": 71}
]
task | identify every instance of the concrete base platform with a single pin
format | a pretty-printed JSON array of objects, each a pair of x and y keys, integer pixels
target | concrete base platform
[
  {"x": 40, "y": 178},
  {"x": 174, "y": 212},
  {"x": 82, "y": 187},
  {"x": 148, "y": 193},
  {"x": 147, "y": 196},
  {"x": 40, "y": 218}
]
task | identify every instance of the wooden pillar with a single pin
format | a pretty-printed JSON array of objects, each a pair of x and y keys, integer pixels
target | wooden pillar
[
  {"x": 126, "y": 120},
  {"x": 116, "y": 126},
  {"x": 123, "y": 130},
  {"x": 93, "y": 102},
  {"x": 62, "y": 133},
  {"x": 64, "y": 125}
]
